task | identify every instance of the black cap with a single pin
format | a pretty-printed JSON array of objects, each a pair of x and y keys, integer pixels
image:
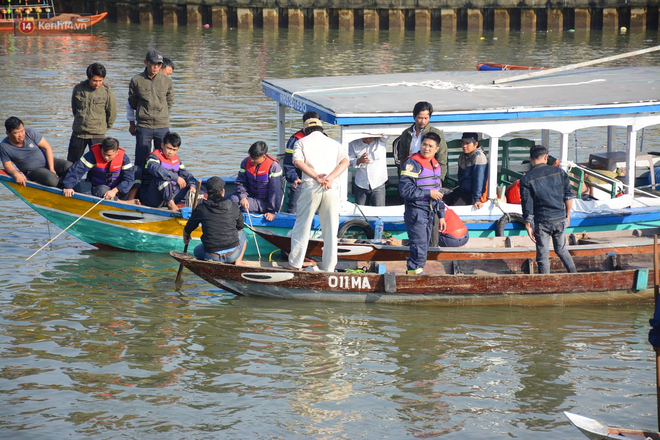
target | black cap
[
  {"x": 470, "y": 137},
  {"x": 154, "y": 56},
  {"x": 215, "y": 183}
]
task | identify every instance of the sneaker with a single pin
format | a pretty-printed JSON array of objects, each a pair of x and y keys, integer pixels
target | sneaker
[
  {"x": 314, "y": 268},
  {"x": 418, "y": 271}
]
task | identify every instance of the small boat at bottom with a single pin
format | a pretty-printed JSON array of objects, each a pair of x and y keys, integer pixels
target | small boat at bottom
[
  {"x": 448, "y": 283},
  {"x": 595, "y": 430},
  {"x": 498, "y": 66}
]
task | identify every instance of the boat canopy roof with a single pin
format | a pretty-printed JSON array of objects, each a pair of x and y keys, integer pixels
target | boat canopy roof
[{"x": 564, "y": 101}]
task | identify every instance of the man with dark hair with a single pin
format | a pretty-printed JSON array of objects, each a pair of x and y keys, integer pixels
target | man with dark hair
[
  {"x": 419, "y": 185},
  {"x": 151, "y": 95},
  {"x": 223, "y": 238},
  {"x": 294, "y": 175},
  {"x": 472, "y": 175},
  {"x": 410, "y": 140},
  {"x": 165, "y": 180},
  {"x": 547, "y": 198},
  {"x": 32, "y": 155},
  {"x": 94, "y": 110},
  {"x": 321, "y": 160},
  {"x": 258, "y": 186},
  {"x": 108, "y": 168},
  {"x": 167, "y": 69}
]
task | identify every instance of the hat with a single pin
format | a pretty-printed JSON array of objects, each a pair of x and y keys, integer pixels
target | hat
[
  {"x": 312, "y": 122},
  {"x": 470, "y": 137},
  {"x": 154, "y": 56},
  {"x": 215, "y": 183}
]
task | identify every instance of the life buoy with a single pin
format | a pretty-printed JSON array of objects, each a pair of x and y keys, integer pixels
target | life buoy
[
  {"x": 512, "y": 217},
  {"x": 356, "y": 223}
]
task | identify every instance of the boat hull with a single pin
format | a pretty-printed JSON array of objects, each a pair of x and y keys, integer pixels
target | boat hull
[
  {"x": 595, "y": 430},
  {"x": 58, "y": 24},
  {"x": 605, "y": 287},
  {"x": 498, "y": 66}
]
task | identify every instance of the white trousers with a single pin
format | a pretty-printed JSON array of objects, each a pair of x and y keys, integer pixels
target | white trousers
[{"x": 326, "y": 201}]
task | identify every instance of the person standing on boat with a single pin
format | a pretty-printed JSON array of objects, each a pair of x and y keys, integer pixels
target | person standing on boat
[
  {"x": 410, "y": 140},
  {"x": 167, "y": 69},
  {"x": 223, "y": 238},
  {"x": 258, "y": 186},
  {"x": 292, "y": 174},
  {"x": 547, "y": 198},
  {"x": 419, "y": 185},
  {"x": 321, "y": 160},
  {"x": 151, "y": 95},
  {"x": 94, "y": 108},
  {"x": 472, "y": 175},
  {"x": 165, "y": 179},
  {"x": 32, "y": 155},
  {"x": 108, "y": 168},
  {"x": 369, "y": 156}
]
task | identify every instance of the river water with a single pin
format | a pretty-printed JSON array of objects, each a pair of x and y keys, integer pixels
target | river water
[{"x": 97, "y": 344}]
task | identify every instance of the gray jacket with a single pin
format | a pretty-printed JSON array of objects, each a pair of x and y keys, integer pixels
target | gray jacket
[
  {"x": 152, "y": 99},
  {"x": 94, "y": 111}
]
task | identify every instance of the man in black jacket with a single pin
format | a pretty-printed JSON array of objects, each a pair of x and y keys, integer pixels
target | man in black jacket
[{"x": 223, "y": 238}]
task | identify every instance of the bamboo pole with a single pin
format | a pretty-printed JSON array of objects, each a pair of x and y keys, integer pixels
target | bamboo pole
[
  {"x": 177, "y": 281},
  {"x": 575, "y": 66}
]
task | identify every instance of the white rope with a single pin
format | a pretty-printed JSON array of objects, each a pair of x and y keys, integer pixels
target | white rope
[
  {"x": 254, "y": 235},
  {"x": 607, "y": 179}
]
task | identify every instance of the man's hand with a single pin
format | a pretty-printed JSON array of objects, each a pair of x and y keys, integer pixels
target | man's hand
[
  {"x": 269, "y": 216},
  {"x": 363, "y": 159},
  {"x": 568, "y": 221},
  {"x": 181, "y": 182},
  {"x": 327, "y": 182},
  {"x": 53, "y": 170},
  {"x": 435, "y": 194},
  {"x": 68, "y": 192},
  {"x": 132, "y": 129},
  {"x": 245, "y": 204},
  {"x": 20, "y": 179},
  {"x": 443, "y": 225},
  {"x": 186, "y": 238},
  {"x": 530, "y": 231},
  {"x": 296, "y": 183},
  {"x": 111, "y": 194},
  {"x": 478, "y": 205}
]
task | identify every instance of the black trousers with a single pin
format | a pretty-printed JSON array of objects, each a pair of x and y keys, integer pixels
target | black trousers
[
  {"x": 77, "y": 147},
  {"x": 46, "y": 177}
]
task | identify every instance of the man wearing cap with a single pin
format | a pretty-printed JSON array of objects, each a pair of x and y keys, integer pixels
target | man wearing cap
[
  {"x": 223, "y": 238},
  {"x": 410, "y": 140},
  {"x": 472, "y": 174},
  {"x": 292, "y": 174},
  {"x": 547, "y": 198},
  {"x": 151, "y": 95},
  {"x": 321, "y": 160}
]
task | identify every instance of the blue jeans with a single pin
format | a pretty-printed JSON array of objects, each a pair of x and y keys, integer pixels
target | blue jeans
[
  {"x": 543, "y": 231},
  {"x": 372, "y": 197},
  {"x": 224, "y": 257},
  {"x": 446, "y": 240}
]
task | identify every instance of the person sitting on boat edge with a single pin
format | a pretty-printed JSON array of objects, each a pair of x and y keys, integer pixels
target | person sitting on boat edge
[
  {"x": 419, "y": 185},
  {"x": 108, "y": 168},
  {"x": 292, "y": 174},
  {"x": 321, "y": 160},
  {"x": 165, "y": 180},
  {"x": 32, "y": 155},
  {"x": 410, "y": 140},
  {"x": 369, "y": 156},
  {"x": 94, "y": 108},
  {"x": 258, "y": 186},
  {"x": 456, "y": 234},
  {"x": 472, "y": 175},
  {"x": 223, "y": 238},
  {"x": 547, "y": 198}
]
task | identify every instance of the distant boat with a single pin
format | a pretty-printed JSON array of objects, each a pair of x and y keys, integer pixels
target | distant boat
[
  {"x": 595, "y": 430},
  {"x": 39, "y": 17},
  {"x": 498, "y": 66}
]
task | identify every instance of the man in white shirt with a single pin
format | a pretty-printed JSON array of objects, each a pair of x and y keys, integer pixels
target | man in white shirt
[
  {"x": 321, "y": 160},
  {"x": 369, "y": 156}
]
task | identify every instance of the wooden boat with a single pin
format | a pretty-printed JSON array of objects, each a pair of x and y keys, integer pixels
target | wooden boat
[
  {"x": 497, "y": 66},
  {"x": 595, "y": 430},
  {"x": 38, "y": 17},
  {"x": 468, "y": 282},
  {"x": 489, "y": 248}
]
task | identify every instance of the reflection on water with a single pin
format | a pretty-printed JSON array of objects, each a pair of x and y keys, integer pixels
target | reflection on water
[{"x": 98, "y": 343}]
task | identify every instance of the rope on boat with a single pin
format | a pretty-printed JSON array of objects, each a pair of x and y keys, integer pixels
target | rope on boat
[
  {"x": 607, "y": 179},
  {"x": 254, "y": 235},
  {"x": 270, "y": 257}
]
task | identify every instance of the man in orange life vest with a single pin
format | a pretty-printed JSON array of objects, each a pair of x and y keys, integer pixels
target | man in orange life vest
[
  {"x": 419, "y": 185},
  {"x": 456, "y": 233},
  {"x": 258, "y": 186},
  {"x": 108, "y": 168},
  {"x": 293, "y": 174},
  {"x": 165, "y": 180}
]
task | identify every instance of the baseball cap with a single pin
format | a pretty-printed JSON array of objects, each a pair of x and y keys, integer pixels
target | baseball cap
[
  {"x": 312, "y": 122},
  {"x": 470, "y": 137},
  {"x": 154, "y": 56}
]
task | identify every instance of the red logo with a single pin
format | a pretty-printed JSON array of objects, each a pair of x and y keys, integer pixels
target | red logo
[{"x": 26, "y": 26}]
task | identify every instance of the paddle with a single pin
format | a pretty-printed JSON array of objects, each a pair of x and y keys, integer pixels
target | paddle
[
  {"x": 177, "y": 282},
  {"x": 76, "y": 221}
]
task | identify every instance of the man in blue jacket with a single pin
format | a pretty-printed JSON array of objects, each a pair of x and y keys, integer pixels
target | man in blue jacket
[
  {"x": 547, "y": 198},
  {"x": 472, "y": 174}
]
